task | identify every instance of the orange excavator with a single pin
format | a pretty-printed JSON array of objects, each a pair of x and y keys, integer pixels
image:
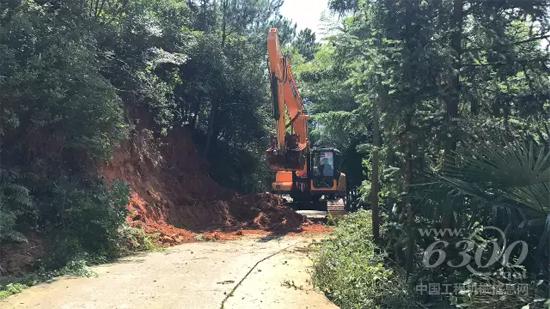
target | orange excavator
[{"x": 310, "y": 176}]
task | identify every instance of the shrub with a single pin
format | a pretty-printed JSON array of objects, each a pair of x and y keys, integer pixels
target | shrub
[
  {"x": 15, "y": 202},
  {"x": 10, "y": 285},
  {"x": 88, "y": 219},
  {"x": 134, "y": 240},
  {"x": 11, "y": 289},
  {"x": 60, "y": 119},
  {"x": 350, "y": 269}
]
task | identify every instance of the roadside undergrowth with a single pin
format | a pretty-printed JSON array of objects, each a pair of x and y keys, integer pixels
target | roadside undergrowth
[
  {"x": 13, "y": 285},
  {"x": 131, "y": 241},
  {"x": 351, "y": 270}
]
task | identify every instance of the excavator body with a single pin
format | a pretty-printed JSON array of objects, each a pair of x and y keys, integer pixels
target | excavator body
[
  {"x": 321, "y": 187},
  {"x": 310, "y": 176}
]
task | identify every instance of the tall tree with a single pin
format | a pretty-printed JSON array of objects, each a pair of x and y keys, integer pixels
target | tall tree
[
  {"x": 306, "y": 43},
  {"x": 438, "y": 64}
]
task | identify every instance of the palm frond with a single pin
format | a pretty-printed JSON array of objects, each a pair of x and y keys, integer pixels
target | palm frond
[{"x": 518, "y": 172}]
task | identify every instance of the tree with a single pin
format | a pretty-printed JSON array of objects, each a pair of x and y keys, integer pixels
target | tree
[
  {"x": 60, "y": 119},
  {"x": 429, "y": 79},
  {"x": 306, "y": 43},
  {"x": 430, "y": 67}
]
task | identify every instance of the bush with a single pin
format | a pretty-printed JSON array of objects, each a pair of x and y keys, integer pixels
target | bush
[
  {"x": 134, "y": 240},
  {"x": 11, "y": 289},
  {"x": 15, "y": 202},
  {"x": 87, "y": 220},
  {"x": 350, "y": 268},
  {"x": 60, "y": 119},
  {"x": 10, "y": 285}
]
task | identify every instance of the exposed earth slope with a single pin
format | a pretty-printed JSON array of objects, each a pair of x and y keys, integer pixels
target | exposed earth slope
[{"x": 173, "y": 195}]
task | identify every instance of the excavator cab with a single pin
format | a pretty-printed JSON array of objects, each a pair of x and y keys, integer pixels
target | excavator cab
[{"x": 325, "y": 168}]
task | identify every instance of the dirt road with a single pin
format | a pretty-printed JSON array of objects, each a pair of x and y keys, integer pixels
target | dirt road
[{"x": 247, "y": 273}]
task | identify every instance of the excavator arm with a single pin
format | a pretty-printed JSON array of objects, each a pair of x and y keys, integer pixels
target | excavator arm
[{"x": 288, "y": 151}]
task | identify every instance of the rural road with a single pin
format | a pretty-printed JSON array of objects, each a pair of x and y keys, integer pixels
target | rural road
[{"x": 261, "y": 272}]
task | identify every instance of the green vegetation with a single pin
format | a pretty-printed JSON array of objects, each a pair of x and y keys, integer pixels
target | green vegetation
[
  {"x": 135, "y": 239},
  {"x": 78, "y": 78},
  {"x": 441, "y": 109},
  {"x": 10, "y": 286},
  {"x": 351, "y": 269}
]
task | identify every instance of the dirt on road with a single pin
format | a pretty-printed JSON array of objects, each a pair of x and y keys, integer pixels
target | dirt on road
[{"x": 253, "y": 272}]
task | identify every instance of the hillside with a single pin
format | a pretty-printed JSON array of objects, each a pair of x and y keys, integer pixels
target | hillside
[
  {"x": 172, "y": 193},
  {"x": 172, "y": 198}
]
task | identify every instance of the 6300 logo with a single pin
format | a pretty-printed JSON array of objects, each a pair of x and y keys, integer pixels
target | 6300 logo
[{"x": 477, "y": 253}]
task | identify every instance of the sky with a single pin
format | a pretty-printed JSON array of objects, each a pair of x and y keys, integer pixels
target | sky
[{"x": 306, "y": 13}]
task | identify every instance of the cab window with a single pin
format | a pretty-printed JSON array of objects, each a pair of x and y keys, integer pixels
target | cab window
[{"x": 323, "y": 165}]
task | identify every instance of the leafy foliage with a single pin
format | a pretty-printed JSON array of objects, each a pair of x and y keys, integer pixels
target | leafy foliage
[
  {"x": 515, "y": 175},
  {"x": 15, "y": 200},
  {"x": 78, "y": 77},
  {"x": 306, "y": 43},
  {"x": 443, "y": 101},
  {"x": 351, "y": 270},
  {"x": 61, "y": 117},
  {"x": 10, "y": 286},
  {"x": 439, "y": 107},
  {"x": 88, "y": 219}
]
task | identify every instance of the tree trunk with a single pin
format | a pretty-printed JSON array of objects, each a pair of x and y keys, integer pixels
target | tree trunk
[
  {"x": 452, "y": 96},
  {"x": 211, "y": 128},
  {"x": 375, "y": 177},
  {"x": 411, "y": 241},
  {"x": 224, "y": 23},
  {"x": 456, "y": 46}
]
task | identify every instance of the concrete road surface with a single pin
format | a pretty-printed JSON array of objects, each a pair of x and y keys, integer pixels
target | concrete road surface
[{"x": 247, "y": 273}]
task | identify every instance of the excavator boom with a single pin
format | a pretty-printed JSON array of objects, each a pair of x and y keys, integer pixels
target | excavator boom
[{"x": 288, "y": 151}]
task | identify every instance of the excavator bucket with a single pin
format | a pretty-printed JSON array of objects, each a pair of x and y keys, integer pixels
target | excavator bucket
[{"x": 291, "y": 160}]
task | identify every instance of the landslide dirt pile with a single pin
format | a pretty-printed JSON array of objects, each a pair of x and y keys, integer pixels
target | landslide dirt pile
[{"x": 172, "y": 194}]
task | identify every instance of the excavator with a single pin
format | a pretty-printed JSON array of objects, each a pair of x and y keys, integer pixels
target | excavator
[{"x": 310, "y": 176}]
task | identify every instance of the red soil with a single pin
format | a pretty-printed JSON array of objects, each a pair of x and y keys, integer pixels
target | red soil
[
  {"x": 316, "y": 229},
  {"x": 173, "y": 196}
]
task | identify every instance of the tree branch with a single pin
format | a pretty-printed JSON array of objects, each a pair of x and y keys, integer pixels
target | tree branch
[
  {"x": 540, "y": 37},
  {"x": 505, "y": 63}
]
